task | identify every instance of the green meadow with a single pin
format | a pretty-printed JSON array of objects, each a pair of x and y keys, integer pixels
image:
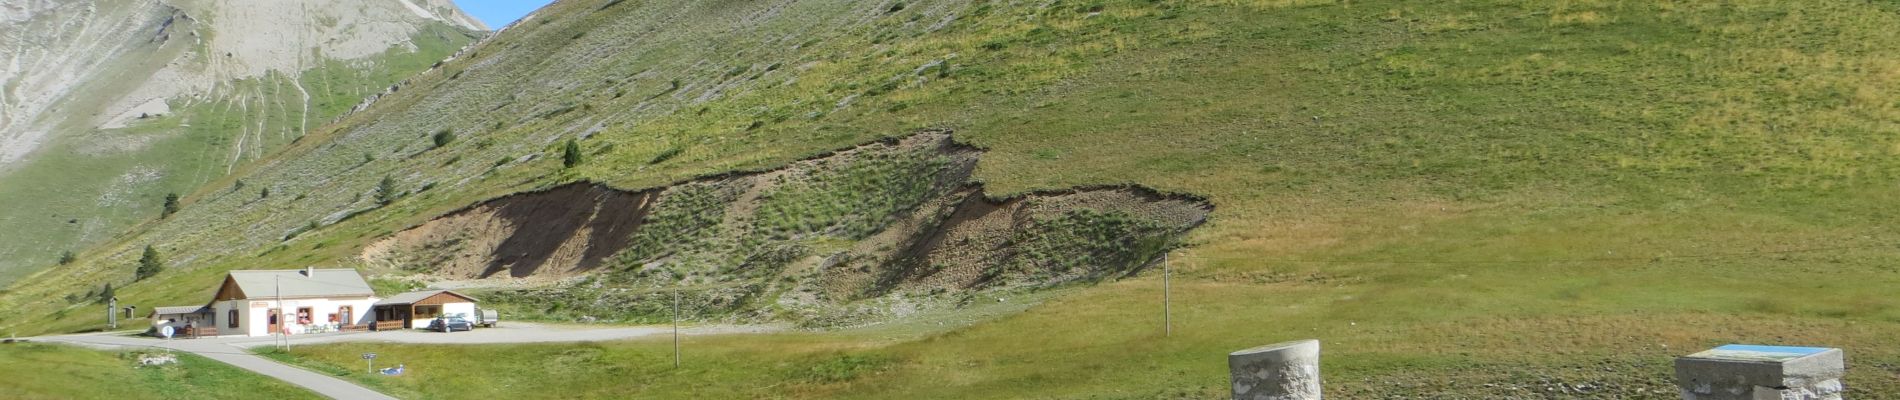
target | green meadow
[
  {"x": 42, "y": 371},
  {"x": 1461, "y": 199}
]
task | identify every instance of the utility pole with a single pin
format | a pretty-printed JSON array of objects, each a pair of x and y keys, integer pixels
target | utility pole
[
  {"x": 277, "y": 283},
  {"x": 1167, "y": 297},
  {"x": 676, "y": 328}
]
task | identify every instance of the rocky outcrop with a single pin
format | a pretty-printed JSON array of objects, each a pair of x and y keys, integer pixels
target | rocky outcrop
[
  {"x": 66, "y": 67},
  {"x": 900, "y": 215}
]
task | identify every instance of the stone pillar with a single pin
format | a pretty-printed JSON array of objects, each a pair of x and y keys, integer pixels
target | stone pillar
[
  {"x": 1281, "y": 371},
  {"x": 1745, "y": 372}
]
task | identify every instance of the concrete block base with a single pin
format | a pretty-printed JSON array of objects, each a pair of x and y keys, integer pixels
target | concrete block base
[
  {"x": 1281, "y": 371},
  {"x": 1744, "y": 372}
]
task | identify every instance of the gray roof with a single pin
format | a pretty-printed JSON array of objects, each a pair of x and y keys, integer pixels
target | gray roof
[
  {"x": 178, "y": 310},
  {"x": 261, "y": 285},
  {"x": 413, "y": 297}
]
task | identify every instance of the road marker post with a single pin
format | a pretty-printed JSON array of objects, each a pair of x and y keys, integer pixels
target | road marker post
[{"x": 676, "y": 328}]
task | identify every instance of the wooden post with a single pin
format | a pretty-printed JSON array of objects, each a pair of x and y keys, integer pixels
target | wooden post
[{"x": 1167, "y": 297}]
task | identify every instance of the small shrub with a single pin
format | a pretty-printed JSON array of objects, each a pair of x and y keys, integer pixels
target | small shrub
[
  {"x": 886, "y": 87},
  {"x": 664, "y": 155},
  {"x": 171, "y": 205},
  {"x": 386, "y": 191},
  {"x": 571, "y": 154},
  {"x": 443, "y": 137}
]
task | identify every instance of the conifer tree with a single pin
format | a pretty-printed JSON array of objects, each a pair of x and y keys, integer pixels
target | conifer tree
[{"x": 149, "y": 263}]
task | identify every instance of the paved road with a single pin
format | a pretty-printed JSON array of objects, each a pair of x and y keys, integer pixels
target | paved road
[
  {"x": 224, "y": 352},
  {"x": 231, "y": 350}
]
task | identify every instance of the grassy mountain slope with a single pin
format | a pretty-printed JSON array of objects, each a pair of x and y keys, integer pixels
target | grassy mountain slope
[
  {"x": 1553, "y": 197},
  {"x": 111, "y": 106}
]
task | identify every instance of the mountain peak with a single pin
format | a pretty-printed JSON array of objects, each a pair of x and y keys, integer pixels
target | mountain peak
[{"x": 159, "y": 96}]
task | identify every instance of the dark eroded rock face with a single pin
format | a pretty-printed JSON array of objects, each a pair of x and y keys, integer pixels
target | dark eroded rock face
[{"x": 897, "y": 216}]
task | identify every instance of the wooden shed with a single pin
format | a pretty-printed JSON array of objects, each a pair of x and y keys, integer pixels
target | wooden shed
[{"x": 415, "y": 309}]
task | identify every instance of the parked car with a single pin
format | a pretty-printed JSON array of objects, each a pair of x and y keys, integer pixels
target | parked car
[
  {"x": 451, "y": 323},
  {"x": 487, "y": 318}
]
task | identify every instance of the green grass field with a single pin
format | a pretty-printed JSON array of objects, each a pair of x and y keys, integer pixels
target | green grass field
[
  {"x": 40, "y": 371},
  {"x": 1448, "y": 194}
]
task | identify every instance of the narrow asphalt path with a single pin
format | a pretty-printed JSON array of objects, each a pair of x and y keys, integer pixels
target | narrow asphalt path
[{"x": 229, "y": 353}]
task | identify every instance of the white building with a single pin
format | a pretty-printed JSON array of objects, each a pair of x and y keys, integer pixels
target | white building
[{"x": 258, "y": 303}]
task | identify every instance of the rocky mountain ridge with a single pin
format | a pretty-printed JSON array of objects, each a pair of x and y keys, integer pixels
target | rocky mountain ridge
[{"x": 105, "y": 106}]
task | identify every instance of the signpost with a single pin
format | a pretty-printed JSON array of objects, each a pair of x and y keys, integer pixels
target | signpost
[
  {"x": 277, "y": 287},
  {"x": 371, "y": 359},
  {"x": 676, "y": 328}
]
